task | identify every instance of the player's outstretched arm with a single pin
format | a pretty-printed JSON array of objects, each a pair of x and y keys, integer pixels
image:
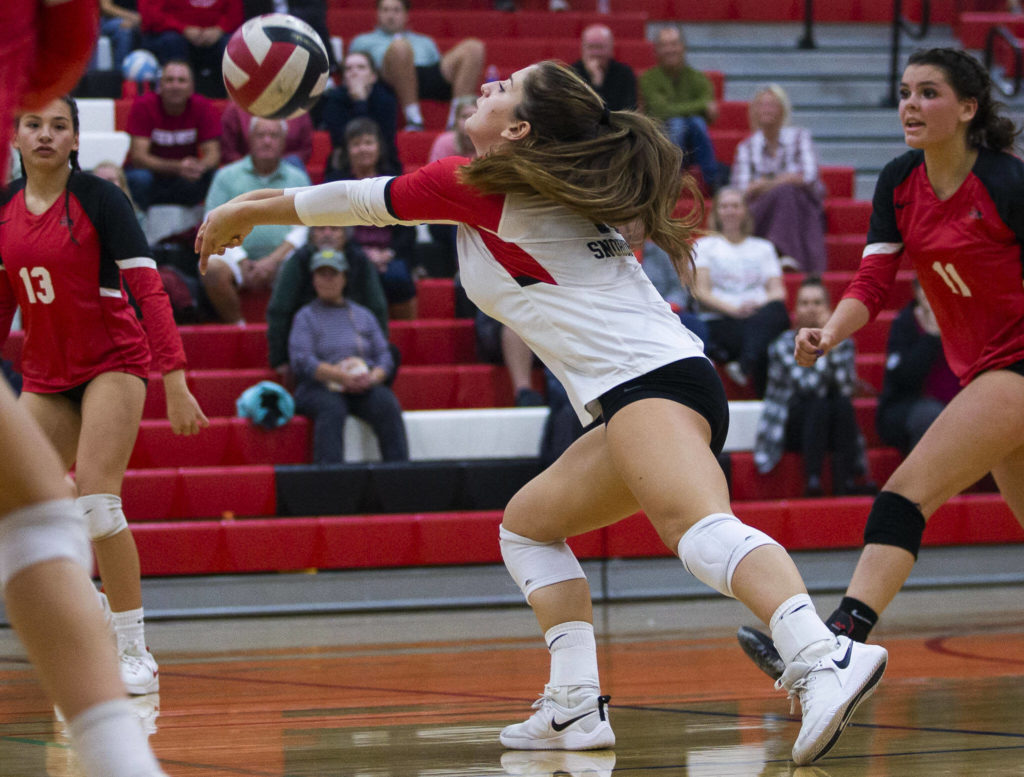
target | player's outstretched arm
[{"x": 228, "y": 225}]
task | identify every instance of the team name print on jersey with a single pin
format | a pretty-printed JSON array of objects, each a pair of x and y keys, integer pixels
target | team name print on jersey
[{"x": 606, "y": 248}]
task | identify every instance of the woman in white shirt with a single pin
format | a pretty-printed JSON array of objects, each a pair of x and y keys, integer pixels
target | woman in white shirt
[{"x": 740, "y": 289}]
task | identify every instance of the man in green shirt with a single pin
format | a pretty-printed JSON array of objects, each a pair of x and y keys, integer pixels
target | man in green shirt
[
  {"x": 684, "y": 98},
  {"x": 255, "y": 263}
]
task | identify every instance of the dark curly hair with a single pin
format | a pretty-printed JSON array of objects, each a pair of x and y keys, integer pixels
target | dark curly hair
[{"x": 971, "y": 81}]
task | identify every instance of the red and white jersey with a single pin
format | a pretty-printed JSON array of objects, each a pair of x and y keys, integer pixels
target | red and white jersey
[
  {"x": 64, "y": 269},
  {"x": 572, "y": 289},
  {"x": 966, "y": 251}
]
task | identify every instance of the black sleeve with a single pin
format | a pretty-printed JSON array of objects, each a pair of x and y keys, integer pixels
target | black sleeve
[
  {"x": 113, "y": 217},
  {"x": 1003, "y": 177},
  {"x": 883, "y": 228}
]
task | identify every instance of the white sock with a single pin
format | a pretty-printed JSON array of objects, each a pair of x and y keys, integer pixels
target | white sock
[
  {"x": 130, "y": 627},
  {"x": 109, "y": 742},
  {"x": 573, "y": 654},
  {"x": 412, "y": 114},
  {"x": 799, "y": 633}
]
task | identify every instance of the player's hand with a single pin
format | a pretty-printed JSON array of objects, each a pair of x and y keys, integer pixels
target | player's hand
[
  {"x": 220, "y": 230},
  {"x": 183, "y": 410},
  {"x": 810, "y": 344}
]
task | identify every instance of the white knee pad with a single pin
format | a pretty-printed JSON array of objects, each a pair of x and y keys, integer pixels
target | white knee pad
[
  {"x": 715, "y": 545},
  {"x": 42, "y": 532},
  {"x": 535, "y": 564},
  {"x": 103, "y": 515}
]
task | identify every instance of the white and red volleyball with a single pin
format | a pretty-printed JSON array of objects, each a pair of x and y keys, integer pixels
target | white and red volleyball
[{"x": 275, "y": 66}]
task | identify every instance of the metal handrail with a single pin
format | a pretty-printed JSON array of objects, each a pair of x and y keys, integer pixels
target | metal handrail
[
  {"x": 900, "y": 25},
  {"x": 1002, "y": 32},
  {"x": 807, "y": 41}
]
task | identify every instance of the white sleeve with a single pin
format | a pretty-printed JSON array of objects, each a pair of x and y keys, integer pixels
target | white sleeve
[
  {"x": 345, "y": 204},
  {"x": 297, "y": 236}
]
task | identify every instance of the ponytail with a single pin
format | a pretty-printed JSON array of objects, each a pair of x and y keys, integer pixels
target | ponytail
[{"x": 611, "y": 167}]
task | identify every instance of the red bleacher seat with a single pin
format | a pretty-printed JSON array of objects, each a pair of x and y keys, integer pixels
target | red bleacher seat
[
  {"x": 847, "y": 216},
  {"x": 414, "y": 147},
  {"x": 844, "y": 251},
  {"x": 215, "y": 390},
  {"x": 435, "y": 341},
  {"x": 733, "y": 115},
  {"x": 199, "y": 492},
  {"x": 321, "y": 154},
  {"x": 435, "y": 298},
  {"x": 226, "y": 442},
  {"x": 224, "y": 346},
  {"x": 838, "y": 180}
]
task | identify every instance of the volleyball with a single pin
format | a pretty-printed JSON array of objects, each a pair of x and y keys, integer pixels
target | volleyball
[
  {"x": 275, "y": 66},
  {"x": 140, "y": 65}
]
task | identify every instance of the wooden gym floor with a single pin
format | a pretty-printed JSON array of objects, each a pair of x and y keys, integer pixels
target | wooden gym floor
[{"x": 424, "y": 694}]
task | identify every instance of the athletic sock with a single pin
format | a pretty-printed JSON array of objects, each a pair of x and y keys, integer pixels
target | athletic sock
[
  {"x": 130, "y": 627},
  {"x": 573, "y": 654},
  {"x": 109, "y": 742},
  {"x": 413, "y": 115},
  {"x": 798, "y": 632},
  {"x": 853, "y": 618}
]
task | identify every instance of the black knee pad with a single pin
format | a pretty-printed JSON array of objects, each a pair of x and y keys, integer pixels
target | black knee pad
[{"x": 895, "y": 520}]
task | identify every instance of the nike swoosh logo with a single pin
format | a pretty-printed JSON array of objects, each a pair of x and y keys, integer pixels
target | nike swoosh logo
[
  {"x": 555, "y": 640},
  {"x": 858, "y": 616},
  {"x": 565, "y": 724},
  {"x": 845, "y": 660}
]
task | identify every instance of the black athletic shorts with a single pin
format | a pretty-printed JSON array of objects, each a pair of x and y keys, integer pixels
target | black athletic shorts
[
  {"x": 1017, "y": 367},
  {"x": 77, "y": 393},
  {"x": 692, "y": 382},
  {"x": 432, "y": 85}
]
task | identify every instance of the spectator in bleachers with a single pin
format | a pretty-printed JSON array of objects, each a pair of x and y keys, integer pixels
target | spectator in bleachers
[
  {"x": 415, "y": 67},
  {"x": 119, "y": 22},
  {"x": 810, "y": 409},
  {"x": 341, "y": 361},
  {"x": 684, "y": 99},
  {"x": 113, "y": 172},
  {"x": 360, "y": 95},
  {"x": 739, "y": 286},
  {"x": 234, "y": 139},
  {"x": 175, "y": 145},
  {"x": 455, "y": 142},
  {"x": 918, "y": 382},
  {"x": 294, "y": 288},
  {"x": 390, "y": 248},
  {"x": 254, "y": 264},
  {"x": 658, "y": 266},
  {"x": 615, "y": 81},
  {"x": 497, "y": 344},
  {"x": 196, "y": 32},
  {"x": 776, "y": 168},
  {"x": 312, "y": 12}
]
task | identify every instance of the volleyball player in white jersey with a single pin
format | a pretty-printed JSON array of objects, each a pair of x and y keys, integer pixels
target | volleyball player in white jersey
[{"x": 536, "y": 253}]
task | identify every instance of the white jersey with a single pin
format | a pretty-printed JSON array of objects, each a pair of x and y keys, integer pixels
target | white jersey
[{"x": 572, "y": 289}]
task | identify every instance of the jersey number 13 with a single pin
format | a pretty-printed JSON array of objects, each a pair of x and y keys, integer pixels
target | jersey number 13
[{"x": 38, "y": 285}]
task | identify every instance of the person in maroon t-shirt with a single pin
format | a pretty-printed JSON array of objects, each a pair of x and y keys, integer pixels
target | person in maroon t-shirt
[
  {"x": 68, "y": 243},
  {"x": 175, "y": 146},
  {"x": 44, "y": 554},
  {"x": 953, "y": 205}
]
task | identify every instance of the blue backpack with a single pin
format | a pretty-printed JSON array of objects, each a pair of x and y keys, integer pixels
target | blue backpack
[{"x": 266, "y": 404}]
